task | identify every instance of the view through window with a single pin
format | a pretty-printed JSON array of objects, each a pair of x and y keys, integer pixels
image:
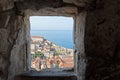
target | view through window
[{"x": 51, "y": 42}]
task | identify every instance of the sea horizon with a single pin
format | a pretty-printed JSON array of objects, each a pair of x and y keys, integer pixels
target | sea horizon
[{"x": 63, "y": 38}]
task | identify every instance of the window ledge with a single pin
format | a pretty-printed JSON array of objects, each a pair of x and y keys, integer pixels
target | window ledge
[{"x": 47, "y": 75}]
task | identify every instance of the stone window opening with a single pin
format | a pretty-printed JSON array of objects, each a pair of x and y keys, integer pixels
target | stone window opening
[
  {"x": 60, "y": 62},
  {"x": 78, "y": 40},
  {"x": 96, "y": 24}
]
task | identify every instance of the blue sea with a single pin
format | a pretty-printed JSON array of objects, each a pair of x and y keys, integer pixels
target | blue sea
[{"x": 63, "y": 38}]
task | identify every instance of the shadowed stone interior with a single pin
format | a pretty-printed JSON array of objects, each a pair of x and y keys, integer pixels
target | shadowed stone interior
[
  {"x": 96, "y": 36},
  {"x": 47, "y": 75}
]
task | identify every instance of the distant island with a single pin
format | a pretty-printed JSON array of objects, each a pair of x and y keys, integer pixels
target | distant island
[{"x": 46, "y": 54}]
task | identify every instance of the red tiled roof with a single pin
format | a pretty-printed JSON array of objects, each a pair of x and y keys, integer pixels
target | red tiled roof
[
  {"x": 70, "y": 65},
  {"x": 32, "y": 50},
  {"x": 67, "y": 60},
  {"x": 37, "y": 37}
]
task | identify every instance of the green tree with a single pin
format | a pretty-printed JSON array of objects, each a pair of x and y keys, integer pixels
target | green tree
[
  {"x": 57, "y": 64},
  {"x": 39, "y": 54},
  {"x": 56, "y": 54}
]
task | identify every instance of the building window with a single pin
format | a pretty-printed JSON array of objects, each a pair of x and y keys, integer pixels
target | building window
[{"x": 51, "y": 42}]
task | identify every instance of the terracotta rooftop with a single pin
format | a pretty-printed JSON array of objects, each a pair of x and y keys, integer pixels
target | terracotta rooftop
[{"x": 37, "y": 37}]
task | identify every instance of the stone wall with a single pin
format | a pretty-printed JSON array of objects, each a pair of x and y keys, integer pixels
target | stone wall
[
  {"x": 80, "y": 58},
  {"x": 15, "y": 31},
  {"x": 96, "y": 35},
  {"x": 102, "y": 40},
  {"x": 13, "y": 41}
]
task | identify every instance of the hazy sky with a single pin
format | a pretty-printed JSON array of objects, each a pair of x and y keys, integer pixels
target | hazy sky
[{"x": 51, "y": 23}]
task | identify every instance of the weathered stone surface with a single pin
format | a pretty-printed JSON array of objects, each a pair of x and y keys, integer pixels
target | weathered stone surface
[
  {"x": 42, "y": 75},
  {"x": 39, "y": 4},
  {"x": 18, "y": 51},
  {"x": 3, "y": 67},
  {"x": 102, "y": 46},
  {"x": 80, "y": 59},
  {"x": 101, "y": 56},
  {"x": 76, "y": 2},
  {"x": 12, "y": 45},
  {"x": 3, "y": 41},
  {"x": 6, "y": 4},
  {"x": 63, "y": 11},
  {"x": 47, "y": 8}
]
